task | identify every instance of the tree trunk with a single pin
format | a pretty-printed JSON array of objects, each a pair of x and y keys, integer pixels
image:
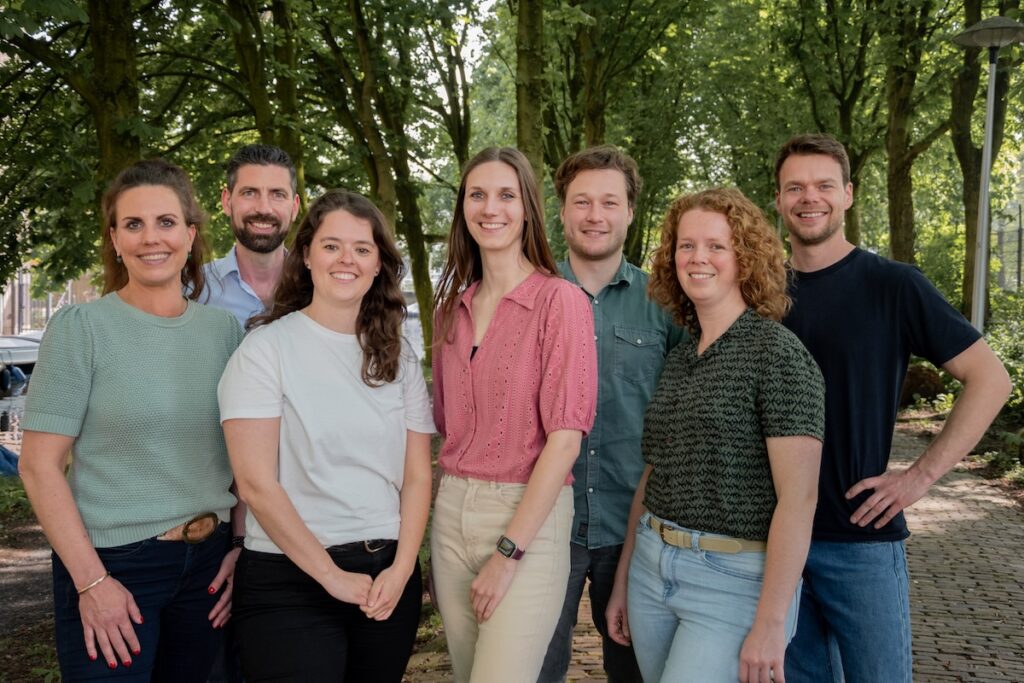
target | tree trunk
[
  {"x": 115, "y": 83},
  {"x": 250, "y": 53},
  {"x": 289, "y": 132},
  {"x": 530, "y": 83},
  {"x": 907, "y": 32}
]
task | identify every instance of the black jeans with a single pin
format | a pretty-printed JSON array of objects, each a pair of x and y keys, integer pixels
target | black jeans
[
  {"x": 289, "y": 628},
  {"x": 598, "y": 565}
]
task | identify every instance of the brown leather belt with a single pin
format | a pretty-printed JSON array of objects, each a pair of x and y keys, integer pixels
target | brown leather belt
[
  {"x": 684, "y": 539},
  {"x": 195, "y": 530}
]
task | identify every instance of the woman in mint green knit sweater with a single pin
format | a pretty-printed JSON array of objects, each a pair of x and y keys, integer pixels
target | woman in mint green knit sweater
[{"x": 142, "y": 548}]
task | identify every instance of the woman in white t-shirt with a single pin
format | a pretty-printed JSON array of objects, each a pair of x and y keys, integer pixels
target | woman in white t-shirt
[{"x": 328, "y": 425}]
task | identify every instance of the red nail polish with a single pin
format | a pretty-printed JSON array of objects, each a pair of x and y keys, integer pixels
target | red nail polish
[
  {"x": 92, "y": 658},
  {"x": 141, "y": 620},
  {"x": 127, "y": 662},
  {"x": 136, "y": 652},
  {"x": 211, "y": 590},
  {"x": 111, "y": 665}
]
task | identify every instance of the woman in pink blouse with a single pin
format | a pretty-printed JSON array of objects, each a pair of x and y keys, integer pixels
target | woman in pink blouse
[{"x": 515, "y": 387}]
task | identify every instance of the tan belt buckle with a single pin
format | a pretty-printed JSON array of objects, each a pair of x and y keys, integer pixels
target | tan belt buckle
[{"x": 186, "y": 533}]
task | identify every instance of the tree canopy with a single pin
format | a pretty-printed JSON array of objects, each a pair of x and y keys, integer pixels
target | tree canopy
[{"x": 391, "y": 97}]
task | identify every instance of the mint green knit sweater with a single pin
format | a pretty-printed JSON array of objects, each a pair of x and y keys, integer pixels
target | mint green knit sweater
[{"x": 139, "y": 394}]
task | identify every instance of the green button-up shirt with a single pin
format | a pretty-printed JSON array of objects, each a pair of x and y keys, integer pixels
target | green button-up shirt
[{"x": 633, "y": 336}]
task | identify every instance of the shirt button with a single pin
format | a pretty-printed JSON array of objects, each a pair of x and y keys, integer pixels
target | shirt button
[
  {"x": 596, "y": 302},
  {"x": 639, "y": 341},
  {"x": 590, "y": 490},
  {"x": 592, "y": 451}
]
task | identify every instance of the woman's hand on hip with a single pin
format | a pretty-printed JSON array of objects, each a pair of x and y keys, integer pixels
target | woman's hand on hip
[
  {"x": 385, "y": 592},
  {"x": 221, "y": 612},
  {"x": 490, "y": 585},
  {"x": 108, "y": 611},
  {"x": 762, "y": 654},
  {"x": 349, "y": 586}
]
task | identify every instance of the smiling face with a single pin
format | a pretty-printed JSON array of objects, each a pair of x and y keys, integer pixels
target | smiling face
[
  {"x": 151, "y": 236},
  {"x": 705, "y": 260},
  {"x": 812, "y": 198},
  {"x": 342, "y": 259},
  {"x": 596, "y": 214},
  {"x": 493, "y": 207},
  {"x": 261, "y": 206}
]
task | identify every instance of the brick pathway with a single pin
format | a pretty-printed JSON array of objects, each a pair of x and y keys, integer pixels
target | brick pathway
[{"x": 966, "y": 559}]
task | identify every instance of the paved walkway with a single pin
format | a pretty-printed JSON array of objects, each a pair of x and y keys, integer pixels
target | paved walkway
[{"x": 966, "y": 559}]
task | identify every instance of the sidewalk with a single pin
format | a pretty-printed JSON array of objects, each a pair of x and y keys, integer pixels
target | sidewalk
[{"x": 966, "y": 559}]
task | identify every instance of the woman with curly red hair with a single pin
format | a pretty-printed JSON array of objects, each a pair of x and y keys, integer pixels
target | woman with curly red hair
[{"x": 732, "y": 442}]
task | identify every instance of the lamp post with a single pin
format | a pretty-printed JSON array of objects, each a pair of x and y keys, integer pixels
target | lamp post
[{"x": 992, "y": 33}]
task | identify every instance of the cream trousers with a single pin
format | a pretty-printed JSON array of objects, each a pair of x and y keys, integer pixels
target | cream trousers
[{"x": 469, "y": 516}]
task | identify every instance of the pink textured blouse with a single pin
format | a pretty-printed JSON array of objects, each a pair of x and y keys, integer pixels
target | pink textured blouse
[{"x": 534, "y": 373}]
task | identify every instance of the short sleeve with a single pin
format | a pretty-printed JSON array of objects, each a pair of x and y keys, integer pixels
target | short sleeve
[
  {"x": 791, "y": 398},
  {"x": 568, "y": 392},
  {"x": 251, "y": 386},
  {"x": 437, "y": 375},
  {"x": 936, "y": 330},
  {"x": 414, "y": 392},
  {"x": 58, "y": 396}
]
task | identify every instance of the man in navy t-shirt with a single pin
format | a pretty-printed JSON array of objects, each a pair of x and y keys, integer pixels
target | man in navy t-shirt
[{"x": 861, "y": 317}]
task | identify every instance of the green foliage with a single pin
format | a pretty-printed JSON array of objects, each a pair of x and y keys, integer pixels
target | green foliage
[
  {"x": 1006, "y": 337},
  {"x": 14, "y": 505}
]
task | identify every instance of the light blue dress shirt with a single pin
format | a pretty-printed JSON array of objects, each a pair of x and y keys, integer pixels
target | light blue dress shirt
[{"x": 226, "y": 289}]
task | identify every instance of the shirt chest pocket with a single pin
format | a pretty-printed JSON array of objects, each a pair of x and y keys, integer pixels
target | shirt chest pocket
[{"x": 639, "y": 355}]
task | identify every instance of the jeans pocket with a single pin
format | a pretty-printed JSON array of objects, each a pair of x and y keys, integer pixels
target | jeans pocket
[
  {"x": 748, "y": 566},
  {"x": 123, "y": 552},
  {"x": 510, "y": 494}
]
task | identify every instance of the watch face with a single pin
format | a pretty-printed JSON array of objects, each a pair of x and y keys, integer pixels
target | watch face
[{"x": 506, "y": 547}]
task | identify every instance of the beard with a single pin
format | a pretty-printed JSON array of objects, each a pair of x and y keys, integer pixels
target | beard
[
  {"x": 259, "y": 242},
  {"x": 810, "y": 240}
]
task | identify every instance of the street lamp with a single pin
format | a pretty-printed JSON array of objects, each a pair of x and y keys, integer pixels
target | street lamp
[{"x": 992, "y": 33}]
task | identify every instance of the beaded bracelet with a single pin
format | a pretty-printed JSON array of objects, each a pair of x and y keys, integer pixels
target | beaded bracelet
[{"x": 94, "y": 583}]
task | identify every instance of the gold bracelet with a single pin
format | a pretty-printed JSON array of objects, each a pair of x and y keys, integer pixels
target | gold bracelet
[{"x": 94, "y": 583}]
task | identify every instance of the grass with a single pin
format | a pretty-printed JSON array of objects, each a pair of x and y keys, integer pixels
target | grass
[{"x": 29, "y": 655}]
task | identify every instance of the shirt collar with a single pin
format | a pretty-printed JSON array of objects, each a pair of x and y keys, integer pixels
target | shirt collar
[
  {"x": 624, "y": 274},
  {"x": 524, "y": 294},
  {"x": 226, "y": 265}
]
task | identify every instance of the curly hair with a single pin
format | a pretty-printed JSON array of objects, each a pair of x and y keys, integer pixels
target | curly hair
[
  {"x": 154, "y": 172},
  {"x": 464, "y": 265},
  {"x": 760, "y": 258},
  {"x": 382, "y": 310}
]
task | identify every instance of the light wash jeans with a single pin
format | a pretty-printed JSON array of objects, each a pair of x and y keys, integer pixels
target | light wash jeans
[
  {"x": 854, "y": 616},
  {"x": 690, "y": 610}
]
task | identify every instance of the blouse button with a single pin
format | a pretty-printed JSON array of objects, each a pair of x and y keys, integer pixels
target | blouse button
[{"x": 639, "y": 341}]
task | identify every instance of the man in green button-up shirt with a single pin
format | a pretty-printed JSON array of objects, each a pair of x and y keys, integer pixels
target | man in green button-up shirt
[{"x": 598, "y": 188}]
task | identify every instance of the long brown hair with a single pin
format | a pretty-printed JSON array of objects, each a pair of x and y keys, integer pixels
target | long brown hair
[
  {"x": 464, "y": 265},
  {"x": 164, "y": 174},
  {"x": 382, "y": 310},
  {"x": 760, "y": 258}
]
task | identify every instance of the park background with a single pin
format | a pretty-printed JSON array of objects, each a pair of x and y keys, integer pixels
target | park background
[{"x": 391, "y": 97}]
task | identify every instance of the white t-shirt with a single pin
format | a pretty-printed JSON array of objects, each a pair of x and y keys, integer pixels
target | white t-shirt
[{"x": 341, "y": 455}]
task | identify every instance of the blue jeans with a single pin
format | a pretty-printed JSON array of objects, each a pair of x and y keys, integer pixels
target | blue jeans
[
  {"x": 690, "y": 610},
  {"x": 169, "y": 581},
  {"x": 598, "y": 565},
  {"x": 854, "y": 616}
]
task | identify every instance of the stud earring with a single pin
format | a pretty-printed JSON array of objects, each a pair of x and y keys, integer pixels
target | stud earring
[{"x": 118, "y": 258}]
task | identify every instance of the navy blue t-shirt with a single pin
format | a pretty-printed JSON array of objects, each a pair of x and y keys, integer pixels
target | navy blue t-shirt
[{"x": 862, "y": 318}]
